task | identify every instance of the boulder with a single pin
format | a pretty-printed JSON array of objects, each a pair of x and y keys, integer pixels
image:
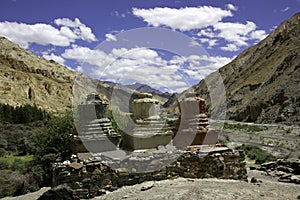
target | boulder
[{"x": 59, "y": 194}]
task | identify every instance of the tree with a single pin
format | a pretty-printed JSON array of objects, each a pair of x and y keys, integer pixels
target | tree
[{"x": 54, "y": 140}]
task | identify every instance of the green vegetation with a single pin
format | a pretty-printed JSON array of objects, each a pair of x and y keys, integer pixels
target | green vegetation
[
  {"x": 255, "y": 153},
  {"x": 249, "y": 128},
  {"x": 28, "y": 147},
  {"x": 21, "y": 114}
]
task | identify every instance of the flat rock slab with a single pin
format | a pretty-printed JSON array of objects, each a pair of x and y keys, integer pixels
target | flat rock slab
[{"x": 147, "y": 185}]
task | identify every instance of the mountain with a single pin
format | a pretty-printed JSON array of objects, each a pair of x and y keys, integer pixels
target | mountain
[
  {"x": 28, "y": 79},
  {"x": 262, "y": 84},
  {"x": 147, "y": 89}
]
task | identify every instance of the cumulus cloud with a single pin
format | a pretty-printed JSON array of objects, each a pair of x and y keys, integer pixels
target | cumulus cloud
[
  {"x": 207, "y": 33},
  {"x": 230, "y": 47},
  {"x": 235, "y": 35},
  {"x": 145, "y": 66},
  {"x": 87, "y": 55},
  {"x": 210, "y": 23},
  {"x": 210, "y": 42},
  {"x": 44, "y": 34},
  {"x": 235, "y": 32},
  {"x": 110, "y": 37},
  {"x": 183, "y": 19},
  {"x": 199, "y": 66},
  {"x": 231, "y": 7},
  {"x": 258, "y": 35},
  {"x": 54, "y": 57}
]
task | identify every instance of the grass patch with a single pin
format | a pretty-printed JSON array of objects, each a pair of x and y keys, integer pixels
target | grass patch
[
  {"x": 249, "y": 128},
  {"x": 10, "y": 159}
]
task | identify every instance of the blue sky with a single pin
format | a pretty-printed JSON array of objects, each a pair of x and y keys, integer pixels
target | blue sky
[{"x": 88, "y": 35}]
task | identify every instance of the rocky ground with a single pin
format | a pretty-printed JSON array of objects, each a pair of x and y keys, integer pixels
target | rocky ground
[
  {"x": 266, "y": 188},
  {"x": 279, "y": 140},
  {"x": 208, "y": 189}
]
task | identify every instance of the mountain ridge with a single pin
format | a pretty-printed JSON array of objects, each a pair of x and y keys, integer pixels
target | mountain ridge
[
  {"x": 262, "y": 83},
  {"x": 29, "y": 79}
]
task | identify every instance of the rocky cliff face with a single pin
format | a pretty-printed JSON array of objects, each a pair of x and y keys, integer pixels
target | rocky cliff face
[
  {"x": 263, "y": 83},
  {"x": 28, "y": 79}
]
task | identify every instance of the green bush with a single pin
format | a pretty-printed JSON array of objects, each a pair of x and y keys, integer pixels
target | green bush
[
  {"x": 249, "y": 128},
  {"x": 18, "y": 165},
  {"x": 255, "y": 153},
  {"x": 2, "y": 152},
  {"x": 15, "y": 184},
  {"x": 4, "y": 164}
]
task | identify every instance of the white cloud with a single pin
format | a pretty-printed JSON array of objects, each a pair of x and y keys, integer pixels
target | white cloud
[
  {"x": 273, "y": 28},
  {"x": 54, "y": 57},
  {"x": 235, "y": 32},
  {"x": 79, "y": 69},
  {"x": 145, "y": 66},
  {"x": 84, "y": 54},
  {"x": 45, "y": 34},
  {"x": 210, "y": 23},
  {"x": 118, "y": 14},
  {"x": 211, "y": 42},
  {"x": 236, "y": 35},
  {"x": 24, "y": 34},
  {"x": 79, "y": 29},
  {"x": 285, "y": 9},
  {"x": 68, "y": 22},
  {"x": 198, "y": 67},
  {"x": 207, "y": 33},
  {"x": 230, "y": 47},
  {"x": 194, "y": 43},
  {"x": 231, "y": 7},
  {"x": 258, "y": 35},
  {"x": 184, "y": 19},
  {"x": 110, "y": 37}
]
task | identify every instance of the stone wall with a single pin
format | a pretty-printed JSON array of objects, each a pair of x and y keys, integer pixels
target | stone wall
[{"x": 90, "y": 177}]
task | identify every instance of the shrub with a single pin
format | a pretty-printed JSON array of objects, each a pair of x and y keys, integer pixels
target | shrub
[
  {"x": 255, "y": 153},
  {"x": 18, "y": 165},
  {"x": 4, "y": 164},
  {"x": 2, "y": 152},
  {"x": 249, "y": 128}
]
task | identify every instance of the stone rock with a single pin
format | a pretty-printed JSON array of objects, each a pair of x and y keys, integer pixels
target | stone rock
[
  {"x": 255, "y": 180},
  {"x": 66, "y": 162},
  {"x": 279, "y": 173},
  {"x": 99, "y": 176},
  {"x": 147, "y": 185},
  {"x": 295, "y": 179},
  {"x": 285, "y": 178},
  {"x": 189, "y": 175},
  {"x": 59, "y": 194},
  {"x": 76, "y": 165},
  {"x": 122, "y": 172}
]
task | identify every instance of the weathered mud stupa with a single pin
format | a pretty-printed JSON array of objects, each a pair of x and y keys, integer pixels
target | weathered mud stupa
[
  {"x": 148, "y": 151},
  {"x": 95, "y": 130},
  {"x": 193, "y": 127},
  {"x": 150, "y": 129}
]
